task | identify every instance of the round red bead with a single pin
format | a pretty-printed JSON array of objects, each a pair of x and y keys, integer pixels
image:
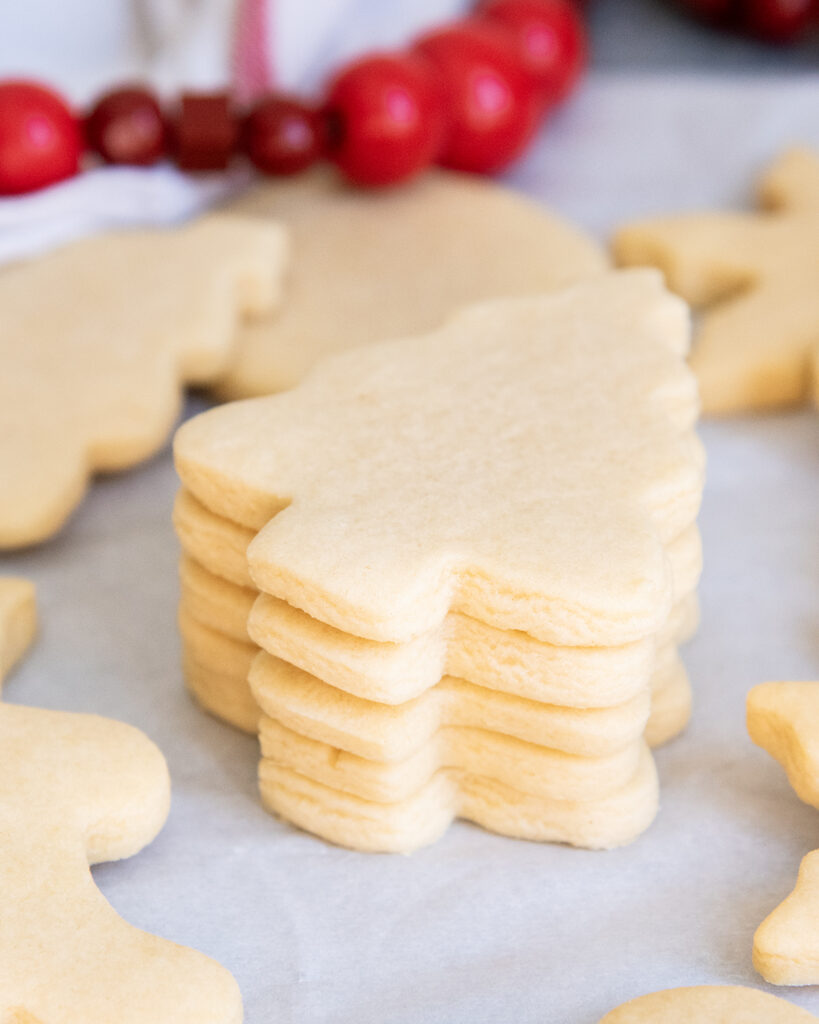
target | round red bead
[
  {"x": 385, "y": 118},
  {"x": 126, "y": 127},
  {"x": 283, "y": 136},
  {"x": 40, "y": 139},
  {"x": 550, "y": 39},
  {"x": 492, "y": 108}
]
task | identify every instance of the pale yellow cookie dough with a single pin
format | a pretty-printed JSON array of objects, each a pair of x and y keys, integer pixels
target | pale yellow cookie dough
[
  {"x": 709, "y": 1004},
  {"x": 97, "y": 339},
  {"x": 369, "y": 265},
  {"x": 524, "y": 465},
  {"x": 756, "y": 275}
]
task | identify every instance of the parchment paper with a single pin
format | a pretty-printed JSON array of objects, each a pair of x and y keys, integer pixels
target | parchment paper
[{"x": 479, "y": 928}]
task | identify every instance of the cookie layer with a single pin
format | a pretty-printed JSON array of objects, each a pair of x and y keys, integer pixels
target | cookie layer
[
  {"x": 391, "y": 673},
  {"x": 384, "y": 732},
  {"x": 406, "y": 826},
  {"x": 462, "y": 646}
]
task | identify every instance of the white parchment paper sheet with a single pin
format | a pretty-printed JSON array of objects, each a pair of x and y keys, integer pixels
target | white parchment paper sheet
[{"x": 479, "y": 928}]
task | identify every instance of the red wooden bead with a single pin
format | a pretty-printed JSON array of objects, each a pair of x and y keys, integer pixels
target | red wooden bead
[
  {"x": 550, "y": 39},
  {"x": 205, "y": 133},
  {"x": 40, "y": 140},
  {"x": 386, "y": 118},
  {"x": 126, "y": 127},
  {"x": 491, "y": 106},
  {"x": 283, "y": 136}
]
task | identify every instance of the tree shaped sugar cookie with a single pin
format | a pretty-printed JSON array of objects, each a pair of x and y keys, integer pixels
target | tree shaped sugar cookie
[
  {"x": 460, "y": 471},
  {"x": 709, "y": 1004},
  {"x": 96, "y": 339},
  {"x": 78, "y": 790},
  {"x": 756, "y": 276},
  {"x": 530, "y": 467},
  {"x": 374, "y": 264},
  {"x": 783, "y": 719}
]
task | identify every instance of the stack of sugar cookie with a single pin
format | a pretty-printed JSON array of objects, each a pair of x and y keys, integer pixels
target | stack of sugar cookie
[{"x": 467, "y": 558}]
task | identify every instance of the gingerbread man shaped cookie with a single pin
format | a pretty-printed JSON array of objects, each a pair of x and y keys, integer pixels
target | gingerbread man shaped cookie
[
  {"x": 756, "y": 277},
  {"x": 783, "y": 719},
  {"x": 78, "y": 790}
]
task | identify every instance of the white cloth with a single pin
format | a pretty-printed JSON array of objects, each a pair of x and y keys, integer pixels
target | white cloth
[
  {"x": 172, "y": 44},
  {"x": 86, "y": 46}
]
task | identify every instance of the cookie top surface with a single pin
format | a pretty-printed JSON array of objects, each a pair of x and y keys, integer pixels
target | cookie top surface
[
  {"x": 525, "y": 464},
  {"x": 370, "y": 265}
]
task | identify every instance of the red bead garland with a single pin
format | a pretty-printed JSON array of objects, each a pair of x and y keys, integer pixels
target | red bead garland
[{"x": 469, "y": 96}]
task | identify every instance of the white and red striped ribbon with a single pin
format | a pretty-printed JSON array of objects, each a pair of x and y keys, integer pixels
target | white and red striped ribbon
[{"x": 251, "y": 71}]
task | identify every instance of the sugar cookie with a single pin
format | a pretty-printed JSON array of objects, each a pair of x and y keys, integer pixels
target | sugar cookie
[
  {"x": 757, "y": 277},
  {"x": 709, "y": 1004},
  {"x": 97, "y": 338},
  {"x": 786, "y": 944},
  {"x": 370, "y": 265},
  {"x": 78, "y": 790},
  {"x": 783, "y": 719}
]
